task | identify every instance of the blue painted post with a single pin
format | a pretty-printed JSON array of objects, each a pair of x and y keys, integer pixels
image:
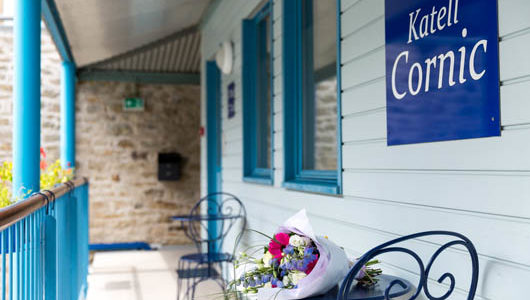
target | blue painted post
[
  {"x": 68, "y": 115},
  {"x": 26, "y": 101},
  {"x": 213, "y": 125}
]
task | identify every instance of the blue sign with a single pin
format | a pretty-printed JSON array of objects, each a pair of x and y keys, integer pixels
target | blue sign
[
  {"x": 231, "y": 100},
  {"x": 442, "y": 70}
]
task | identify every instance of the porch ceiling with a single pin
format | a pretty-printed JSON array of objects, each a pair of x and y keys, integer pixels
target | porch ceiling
[{"x": 103, "y": 30}]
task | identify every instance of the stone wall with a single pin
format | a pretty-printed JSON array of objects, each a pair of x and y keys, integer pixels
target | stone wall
[
  {"x": 50, "y": 95},
  {"x": 118, "y": 152}
]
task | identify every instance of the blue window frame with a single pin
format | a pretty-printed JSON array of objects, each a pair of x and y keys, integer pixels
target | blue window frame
[
  {"x": 311, "y": 81},
  {"x": 257, "y": 97}
]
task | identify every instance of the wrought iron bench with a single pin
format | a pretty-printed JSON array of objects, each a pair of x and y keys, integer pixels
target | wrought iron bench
[{"x": 392, "y": 246}]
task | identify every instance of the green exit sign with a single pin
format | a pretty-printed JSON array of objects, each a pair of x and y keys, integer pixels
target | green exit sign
[{"x": 133, "y": 104}]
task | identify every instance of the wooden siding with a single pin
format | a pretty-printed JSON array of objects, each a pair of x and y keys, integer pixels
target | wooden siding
[{"x": 478, "y": 187}]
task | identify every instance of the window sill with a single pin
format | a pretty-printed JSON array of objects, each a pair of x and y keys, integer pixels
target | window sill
[
  {"x": 258, "y": 180},
  {"x": 313, "y": 187}
]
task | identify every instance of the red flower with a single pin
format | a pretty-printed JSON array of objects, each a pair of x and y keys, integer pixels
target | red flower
[
  {"x": 311, "y": 265},
  {"x": 42, "y": 153},
  {"x": 277, "y": 244},
  {"x": 43, "y": 165}
]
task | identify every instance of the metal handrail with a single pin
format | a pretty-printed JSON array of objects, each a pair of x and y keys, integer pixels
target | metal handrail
[{"x": 18, "y": 211}]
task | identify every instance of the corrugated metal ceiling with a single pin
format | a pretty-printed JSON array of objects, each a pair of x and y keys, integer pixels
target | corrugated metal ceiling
[
  {"x": 134, "y": 35},
  {"x": 177, "y": 53}
]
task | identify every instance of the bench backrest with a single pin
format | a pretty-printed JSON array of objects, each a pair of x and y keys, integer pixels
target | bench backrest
[{"x": 392, "y": 246}]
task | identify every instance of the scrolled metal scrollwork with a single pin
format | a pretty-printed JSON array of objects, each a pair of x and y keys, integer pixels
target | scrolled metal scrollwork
[
  {"x": 223, "y": 209},
  {"x": 392, "y": 284},
  {"x": 447, "y": 277}
]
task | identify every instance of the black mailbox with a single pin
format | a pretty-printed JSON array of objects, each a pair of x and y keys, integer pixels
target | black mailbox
[{"x": 169, "y": 166}]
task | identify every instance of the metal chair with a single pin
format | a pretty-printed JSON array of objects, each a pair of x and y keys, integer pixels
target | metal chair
[
  {"x": 221, "y": 211},
  {"x": 424, "y": 271}
]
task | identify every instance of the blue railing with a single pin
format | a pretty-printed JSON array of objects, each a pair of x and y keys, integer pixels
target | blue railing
[{"x": 44, "y": 245}]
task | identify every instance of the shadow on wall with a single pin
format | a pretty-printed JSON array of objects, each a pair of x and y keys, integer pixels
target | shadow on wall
[{"x": 118, "y": 150}]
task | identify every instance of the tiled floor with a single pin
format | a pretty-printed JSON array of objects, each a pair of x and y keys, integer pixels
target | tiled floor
[
  {"x": 140, "y": 275},
  {"x": 144, "y": 275}
]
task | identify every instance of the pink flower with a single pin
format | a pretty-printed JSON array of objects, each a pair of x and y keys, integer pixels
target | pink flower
[{"x": 277, "y": 244}]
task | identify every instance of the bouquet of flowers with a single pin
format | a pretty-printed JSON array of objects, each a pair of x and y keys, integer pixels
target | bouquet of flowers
[{"x": 297, "y": 264}]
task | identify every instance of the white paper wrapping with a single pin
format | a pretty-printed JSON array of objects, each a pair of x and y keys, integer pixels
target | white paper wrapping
[{"x": 331, "y": 268}]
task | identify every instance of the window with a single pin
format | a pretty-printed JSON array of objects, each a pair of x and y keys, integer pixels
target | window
[
  {"x": 257, "y": 97},
  {"x": 311, "y": 96}
]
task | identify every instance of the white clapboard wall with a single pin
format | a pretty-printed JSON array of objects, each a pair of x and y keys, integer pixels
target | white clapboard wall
[{"x": 478, "y": 187}]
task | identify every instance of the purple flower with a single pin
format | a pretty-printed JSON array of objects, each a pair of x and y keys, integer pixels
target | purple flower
[
  {"x": 289, "y": 249},
  {"x": 306, "y": 261},
  {"x": 361, "y": 274},
  {"x": 288, "y": 265},
  {"x": 279, "y": 284},
  {"x": 274, "y": 262},
  {"x": 300, "y": 265},
  {"x": 293, "y": 265},
  {"x": 308, "y": 251}
]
